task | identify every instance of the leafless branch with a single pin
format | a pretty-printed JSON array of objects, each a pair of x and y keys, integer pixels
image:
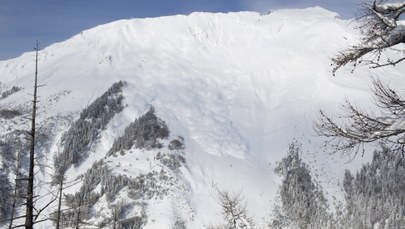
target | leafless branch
[
  {"x": 380, "y": 31},
  {"x": 360, "y": 127}
]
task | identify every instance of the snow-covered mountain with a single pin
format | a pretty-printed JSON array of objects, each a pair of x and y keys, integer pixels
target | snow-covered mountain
[{"x": 234, "y": 89}]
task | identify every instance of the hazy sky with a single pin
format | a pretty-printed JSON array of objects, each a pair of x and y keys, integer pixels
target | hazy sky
[{"x": 22, "y": 22}]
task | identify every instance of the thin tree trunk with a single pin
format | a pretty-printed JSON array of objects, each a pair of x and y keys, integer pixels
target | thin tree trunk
[
  {"x": 115, "y": 218},
  {"x": 29, "y": 218},
  {"x": 78, "y": 212},
  {"x": 59, "y": 204},
  {"x": 16, "y": 187},
  {"x": 13, "y": 206}
]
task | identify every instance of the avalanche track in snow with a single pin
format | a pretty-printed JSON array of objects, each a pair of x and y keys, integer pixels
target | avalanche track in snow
[{"x": 239, "y": 87}]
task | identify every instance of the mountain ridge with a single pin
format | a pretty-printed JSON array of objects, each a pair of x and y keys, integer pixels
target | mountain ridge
[{"x": 239, "y": 87}]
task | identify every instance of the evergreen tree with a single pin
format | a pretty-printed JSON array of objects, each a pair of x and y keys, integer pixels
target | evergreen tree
[
  {"x": 303, "y": 204},
  {"x": 375, "y": 197},
  {"x": 145, "y": 132},
  {"x": 77, "y": 141},
  {"x": 5, "y": 198}
]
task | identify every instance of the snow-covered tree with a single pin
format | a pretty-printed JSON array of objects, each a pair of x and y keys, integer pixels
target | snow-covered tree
[
  {"x": 77, "y": 141},
  {"x": 145, "y": 132},
  {"x": 374, "y": 196},
  {"x": 302, "y": 202}
]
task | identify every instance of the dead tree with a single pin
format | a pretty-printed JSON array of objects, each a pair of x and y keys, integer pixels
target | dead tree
[
  {"x": 32, "y": 212},
  {"x": 380, "y": 31},
  {"x": 29, "y": 217},
  {"x": 17, "y": 185}
]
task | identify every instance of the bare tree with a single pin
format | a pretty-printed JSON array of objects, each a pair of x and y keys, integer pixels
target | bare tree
[
  {"x": 234, "y": 212},
  {"x": 356, "y": 128},
  {"x": 17, "y": 187},
  {"x": 381, "y": 31},
  {"x": 32, "y": 212},
  {"x": 29, "y": 218}
]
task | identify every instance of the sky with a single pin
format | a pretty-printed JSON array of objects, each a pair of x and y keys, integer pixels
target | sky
[{"x": 23, "y": 22}]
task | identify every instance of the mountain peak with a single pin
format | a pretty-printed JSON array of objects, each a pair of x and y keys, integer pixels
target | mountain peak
[{"x": 236, "y": 88}]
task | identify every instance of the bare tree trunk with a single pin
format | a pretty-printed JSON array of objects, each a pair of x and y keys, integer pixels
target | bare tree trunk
[
  {"x": 59, "y": 203},
  {"x": 29, "y": 218},
  {"x": 13, "y": 210},
  {"x": 13, "y": 206},
  {"x": 78, "y": 211},
  {"x": 16, "y": 188},
  {"x": 115, "y": 217}
]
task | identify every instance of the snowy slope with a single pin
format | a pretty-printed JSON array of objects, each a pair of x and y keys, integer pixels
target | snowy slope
[{"x": 239, "y": 87}]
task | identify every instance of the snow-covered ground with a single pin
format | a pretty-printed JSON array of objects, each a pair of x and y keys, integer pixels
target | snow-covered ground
[{"x": 239, "y": 87}]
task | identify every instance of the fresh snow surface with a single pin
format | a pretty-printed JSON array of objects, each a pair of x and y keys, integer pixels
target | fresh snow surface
[{"x": 238, "y": 86}]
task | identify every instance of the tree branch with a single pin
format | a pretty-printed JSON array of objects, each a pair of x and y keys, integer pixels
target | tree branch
[
  {"x": 380, "y": 32},
  {"x": 360, "y": 128}
]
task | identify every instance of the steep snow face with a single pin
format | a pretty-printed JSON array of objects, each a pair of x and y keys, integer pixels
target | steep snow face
[{"x": 238, "y": 87}]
